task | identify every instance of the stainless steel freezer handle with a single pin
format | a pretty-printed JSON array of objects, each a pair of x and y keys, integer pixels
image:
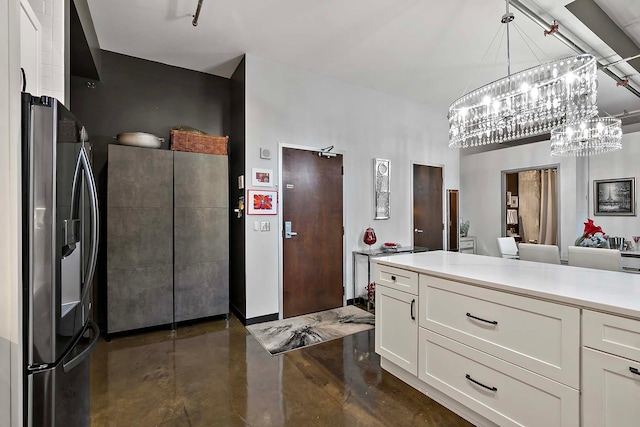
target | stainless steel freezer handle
[
  {"x": 67, "y": 366},
  {"x": 83, "y": 167}
]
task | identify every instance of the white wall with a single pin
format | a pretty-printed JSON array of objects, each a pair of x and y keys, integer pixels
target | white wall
[
  {"x": 294, "y": 106},
  {"x": 620, "y": 164},
  {"x": 481, "y": 189},
  {"x": 10, "y": 353},
  {"x": 51, "y": 16}
]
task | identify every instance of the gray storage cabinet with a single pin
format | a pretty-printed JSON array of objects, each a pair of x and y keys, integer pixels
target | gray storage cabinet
[
  {"x": 139, "y": 238},
  {"x": 201, "y": 235},
  {"x": 167, "y": 237}
]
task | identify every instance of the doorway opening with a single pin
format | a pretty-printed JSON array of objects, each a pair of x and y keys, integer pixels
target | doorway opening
[{"x": 531, "y": 206}]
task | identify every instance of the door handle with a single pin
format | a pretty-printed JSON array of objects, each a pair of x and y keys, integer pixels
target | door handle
[
  {"x": 417, "y": 230},
  {"x": 287, "y": 230},
  {"x": 83, "y": 167}
]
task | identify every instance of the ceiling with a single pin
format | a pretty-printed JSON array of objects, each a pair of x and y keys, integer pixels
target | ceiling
[{"x": 425, "y": 50}]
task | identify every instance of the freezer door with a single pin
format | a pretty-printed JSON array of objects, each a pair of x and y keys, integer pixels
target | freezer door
[{"x": 59, "y": 395}]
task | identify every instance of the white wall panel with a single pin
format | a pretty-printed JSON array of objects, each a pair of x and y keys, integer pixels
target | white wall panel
[{"x": 294, "y": 106}]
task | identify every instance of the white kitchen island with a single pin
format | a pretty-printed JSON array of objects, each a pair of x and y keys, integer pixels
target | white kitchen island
[{"x": 509, "y": 342}]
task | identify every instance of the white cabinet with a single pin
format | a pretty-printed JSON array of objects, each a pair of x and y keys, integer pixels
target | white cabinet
[
  {"x": 468, "y": 244},
  {"x": 610, "y": 390},
  {"x": 396, "y": 319},
  {"x": 537, "y": 335},
  {"x": 499, "y": 391},
  {"x": 610, "y": 370},
  {"x": 30, "y": 36}
]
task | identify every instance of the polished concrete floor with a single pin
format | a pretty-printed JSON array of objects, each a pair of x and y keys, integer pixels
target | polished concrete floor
[{"x": 217, "y": 374}]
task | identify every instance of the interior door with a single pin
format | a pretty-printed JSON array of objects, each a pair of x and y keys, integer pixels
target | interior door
[
  {"x": 452, "y": 220},
  {"x": 427, "y": 207},
  {"x": 313, "y": 225}
]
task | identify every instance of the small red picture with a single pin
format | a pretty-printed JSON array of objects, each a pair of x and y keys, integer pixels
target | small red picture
[{"x": 262, "y": 202}]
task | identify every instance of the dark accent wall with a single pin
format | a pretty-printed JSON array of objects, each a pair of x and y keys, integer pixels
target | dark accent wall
[
  {"x": 136, "y": 95},
  {"x": 237, "y": 263}
]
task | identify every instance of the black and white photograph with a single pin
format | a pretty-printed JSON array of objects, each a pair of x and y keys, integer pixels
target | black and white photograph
[{"x": 614, "y": 196}]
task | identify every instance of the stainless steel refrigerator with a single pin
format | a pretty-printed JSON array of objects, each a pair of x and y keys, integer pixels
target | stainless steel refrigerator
[{"x": 60, "y": 244}]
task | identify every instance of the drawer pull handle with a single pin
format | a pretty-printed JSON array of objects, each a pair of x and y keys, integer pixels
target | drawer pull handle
[
  {"x": 413, "y": 303},
  {"x": 393, "y": 278},
  {"x": 493, "y": 322},
  {"x": 479, "y": 383},
  {"x": 634, "y": 370}
]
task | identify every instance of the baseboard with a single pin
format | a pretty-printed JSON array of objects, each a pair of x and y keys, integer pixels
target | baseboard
[
  {"x": 436, "y": 395},
  {"x": 259, "y": 319},
  {"x": 236, "y": 312}
]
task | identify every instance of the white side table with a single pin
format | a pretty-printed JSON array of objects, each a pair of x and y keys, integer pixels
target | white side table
[{"x": 468, "y": 245}]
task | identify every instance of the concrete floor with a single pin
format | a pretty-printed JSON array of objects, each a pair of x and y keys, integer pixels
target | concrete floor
[{"x": 216, "y": 374}]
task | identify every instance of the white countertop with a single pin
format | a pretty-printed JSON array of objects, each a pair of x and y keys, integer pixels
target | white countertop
[{"x": 608, "y": 291}]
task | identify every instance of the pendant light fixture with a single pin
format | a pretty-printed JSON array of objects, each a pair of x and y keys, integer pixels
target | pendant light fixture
[
  {"x": 528, "y": 103},
  {"x": 594, "y": 136}
]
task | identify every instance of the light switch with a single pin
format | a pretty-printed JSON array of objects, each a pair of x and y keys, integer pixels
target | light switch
[
  {"x": 256, "y": 226},
  {"x": 265, "y": 226}
]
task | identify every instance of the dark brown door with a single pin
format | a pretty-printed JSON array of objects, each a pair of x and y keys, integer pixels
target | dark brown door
[
  {"x": 427, "y": 207},
  {"x": 312, "y": 257},
  {"x": 452, "y": 218}
]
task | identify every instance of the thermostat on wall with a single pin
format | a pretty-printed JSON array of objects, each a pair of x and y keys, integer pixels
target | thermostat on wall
[{"x": 265, "y": 153}]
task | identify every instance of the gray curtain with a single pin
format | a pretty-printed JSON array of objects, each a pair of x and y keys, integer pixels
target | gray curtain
[{"x": 548, "y": 207}]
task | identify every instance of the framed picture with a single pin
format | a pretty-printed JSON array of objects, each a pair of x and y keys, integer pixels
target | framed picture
[
  {"x": 514, "y": 202},
  {"x": 614, "y": 196},
  {"x": 382, "y": 188},
  {"x": 261, "y": 177},
  {"x": 262, "y": 202}
]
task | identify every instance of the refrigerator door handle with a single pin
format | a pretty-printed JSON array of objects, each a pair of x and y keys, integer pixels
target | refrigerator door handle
[
  {"x": 84, "y": 165},
  {"x": 69, "y": 365}
]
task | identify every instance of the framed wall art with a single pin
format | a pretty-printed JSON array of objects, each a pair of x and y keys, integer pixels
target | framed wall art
[
  {"x": 262, "y": 202},
  {"x": 614, "y": 197},
  {"x": 261, "y": 177},
  {"x": 382, "y": 188}
]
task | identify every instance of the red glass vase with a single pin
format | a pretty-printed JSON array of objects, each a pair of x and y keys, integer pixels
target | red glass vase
[{"x": 369, "y": 236}]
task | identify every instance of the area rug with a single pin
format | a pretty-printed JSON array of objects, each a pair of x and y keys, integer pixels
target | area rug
[{"x": 284, "y": 335}]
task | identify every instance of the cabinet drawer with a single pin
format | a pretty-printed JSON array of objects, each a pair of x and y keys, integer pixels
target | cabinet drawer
[
  {"x": 613, "y": 334},
  {"x": 540, "y": 336},
  {"x": 466, "y": 244},
  {"x": 520, "y": 397},
  {"x": 397, "y": 278},
  {"x": 610, "y": 390},
  {"x": 631, "y": 264}
]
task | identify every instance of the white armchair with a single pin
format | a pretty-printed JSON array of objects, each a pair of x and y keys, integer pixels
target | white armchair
[
  {"x": 549, "y": 254},
  {"x": 602, "y": 259},
  {"x": 507, "y": 247}
]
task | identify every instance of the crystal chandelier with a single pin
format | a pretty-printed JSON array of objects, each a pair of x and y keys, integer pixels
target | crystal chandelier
[
  {"x": 595, "y": 136},
  {"x": 527, "y": 103}
]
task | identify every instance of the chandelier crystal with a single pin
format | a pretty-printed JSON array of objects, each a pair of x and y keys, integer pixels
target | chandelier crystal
[
  {"x": 528, "y": 103},
  {"x": 589, "y": 137}
]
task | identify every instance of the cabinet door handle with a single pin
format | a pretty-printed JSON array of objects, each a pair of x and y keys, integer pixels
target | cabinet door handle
[
  {"x": 634, "y": 370},
  {"x": 393, "y": 278},
  {"x": 413, "y": 303},
  {"x": 493, "y": 322},
  {"x": 479, "y": 383}
]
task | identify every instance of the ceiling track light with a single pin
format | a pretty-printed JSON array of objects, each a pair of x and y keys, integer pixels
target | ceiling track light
[{"x": 197, "y": 15}]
